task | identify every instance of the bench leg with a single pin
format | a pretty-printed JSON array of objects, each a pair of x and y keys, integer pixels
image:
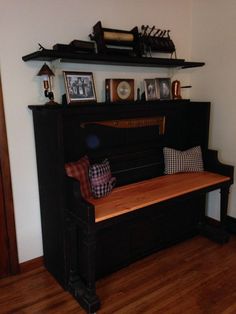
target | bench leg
[
  {"x": 84, "y": 291},
  {"x": 218, "y": 232},
  {"x": 92, "y": 300},
  {"x": 224, "y": 197}
]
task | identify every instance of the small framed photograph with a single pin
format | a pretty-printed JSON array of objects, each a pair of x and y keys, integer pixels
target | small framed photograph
[
  {"x": 164, "y": 88},
  {"x": 151, "y": 90},
  {"x": 79, "y": 87}
]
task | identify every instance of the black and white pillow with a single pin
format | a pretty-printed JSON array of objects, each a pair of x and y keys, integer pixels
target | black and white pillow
[
  {"x": 101, "y": 179},
  {"x": 183, "y": 161}
]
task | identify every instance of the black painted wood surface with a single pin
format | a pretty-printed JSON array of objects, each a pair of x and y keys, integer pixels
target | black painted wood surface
[
  {"x": 77, "y": 251},
  {"x": 50, "y": 55}
]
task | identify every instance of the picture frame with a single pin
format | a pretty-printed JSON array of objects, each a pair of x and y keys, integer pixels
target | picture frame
[
  {"x": 151, "y": 89},
  {"x": 164, "y": 88},
  {"x": 79, "y": 87}
]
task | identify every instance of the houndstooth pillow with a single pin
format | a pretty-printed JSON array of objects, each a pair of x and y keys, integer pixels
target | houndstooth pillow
[
  {"x": 183, "y": 161},
  {"x": 101, "y": 179}
]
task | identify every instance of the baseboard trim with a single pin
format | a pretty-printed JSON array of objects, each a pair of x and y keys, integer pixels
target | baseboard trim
[
  {"x": 31, "y": 264},
  {"x": 212, "y": 221},
  {"x": 39, "y": 261}
]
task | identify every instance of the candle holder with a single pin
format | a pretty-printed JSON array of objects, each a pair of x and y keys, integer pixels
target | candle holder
[
  {"x": 46, "y": 73},
  {"x": 176, "y": 90}
]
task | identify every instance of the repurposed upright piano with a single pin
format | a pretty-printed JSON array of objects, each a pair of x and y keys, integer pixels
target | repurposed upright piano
[{"x": 85, "y": 239}]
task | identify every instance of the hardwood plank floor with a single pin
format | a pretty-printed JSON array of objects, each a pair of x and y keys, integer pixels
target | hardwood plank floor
[{"x": 196, "y": 276}]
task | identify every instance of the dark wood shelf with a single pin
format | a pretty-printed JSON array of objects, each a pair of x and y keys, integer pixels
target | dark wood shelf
[
  {"x": 135, "y": 105},
  {"x": 50, "y": 55}
]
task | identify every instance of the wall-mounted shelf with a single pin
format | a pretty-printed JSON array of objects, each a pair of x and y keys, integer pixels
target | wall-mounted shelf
[
  {"x": 112, "y": 106},
  {"x": 50, "y": 55}
]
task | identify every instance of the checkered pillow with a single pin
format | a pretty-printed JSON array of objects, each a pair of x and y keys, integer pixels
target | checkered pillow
[
  {"x": 101, "y": 179},
  {"x": 79, "y": 171},
  {"x": 183, "y": 161}
]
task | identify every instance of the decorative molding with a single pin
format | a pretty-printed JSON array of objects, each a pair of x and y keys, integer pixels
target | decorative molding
[
  {"x": 131, "y": 123},
  {"x": 7, "y": 191}
]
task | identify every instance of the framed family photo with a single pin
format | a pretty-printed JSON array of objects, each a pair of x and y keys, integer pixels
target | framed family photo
[
  {"x": 157, "y": 88},
  {"x": 79, "y": 87},
  {"x": 151, "y": 90},
  {"x": 165, "y": 88}
]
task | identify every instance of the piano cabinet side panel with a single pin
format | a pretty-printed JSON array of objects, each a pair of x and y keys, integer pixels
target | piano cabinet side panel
[{"x": 51, "y": 179}]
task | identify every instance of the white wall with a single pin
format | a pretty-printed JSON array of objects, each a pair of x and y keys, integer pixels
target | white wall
[
  {"x": 214, "y": 41},
  {"x": 25, "y": 23}
]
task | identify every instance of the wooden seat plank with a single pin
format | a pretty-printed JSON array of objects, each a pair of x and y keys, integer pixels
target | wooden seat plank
[{"x": 130, "y": 197}]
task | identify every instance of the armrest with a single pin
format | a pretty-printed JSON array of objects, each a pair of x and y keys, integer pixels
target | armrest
[
  {"x": 212, "y": 163},
  {"x": 78, "y": 206}
]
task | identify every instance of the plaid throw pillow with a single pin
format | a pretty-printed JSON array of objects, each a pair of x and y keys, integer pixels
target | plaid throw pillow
[
  {"x": 101, "y": 179},
  {"x": 79, "y": 171},
  {"x": 183, "y": 161}
]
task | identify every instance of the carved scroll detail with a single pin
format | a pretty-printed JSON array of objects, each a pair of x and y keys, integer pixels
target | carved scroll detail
[{"x": 131, "y": 123}]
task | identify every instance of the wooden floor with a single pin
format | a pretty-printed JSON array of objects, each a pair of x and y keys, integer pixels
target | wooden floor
[{"x": 196, "y": 276}]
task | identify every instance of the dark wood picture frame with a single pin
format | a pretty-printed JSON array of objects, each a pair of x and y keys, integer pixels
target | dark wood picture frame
[
  {"x": 79, "y": 87},
  {"x": 151, "y": 89},
  {"x": 164, "y": 85}
]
